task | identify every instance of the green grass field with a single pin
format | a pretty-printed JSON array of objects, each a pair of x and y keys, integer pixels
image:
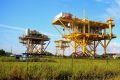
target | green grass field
[{"x": 60, "y": 69}]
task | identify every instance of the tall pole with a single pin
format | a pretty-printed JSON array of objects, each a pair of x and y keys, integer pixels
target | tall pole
[
  {"x": 88, "y": 27},
  {"x": 94, "y": 50},
  {"x": 84, "y": 46},
  {"x": 75, "y": 47},
  {"x": 63, "y": 51},
  {"x": 105, "y": 44},
  {"x": 110, "y": 26}
]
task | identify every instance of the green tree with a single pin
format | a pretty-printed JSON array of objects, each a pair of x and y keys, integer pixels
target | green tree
[{"x": 2, "y": 52}]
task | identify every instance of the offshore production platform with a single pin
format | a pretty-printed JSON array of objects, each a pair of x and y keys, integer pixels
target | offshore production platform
[
  {"x": 35, "y": 42},
  {"x": 61, "y": 45},
  {"x": 85, "y": 34}
]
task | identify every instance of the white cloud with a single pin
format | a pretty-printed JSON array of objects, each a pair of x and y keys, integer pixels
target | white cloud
[
  {"x": 23, "y": 29},
  {"x": 53, "y": 37},
  {"x": 114, "y": 47},
  {"x": 51, "y": 34},
  {"x": 114, "y": 10},
  {"x": 11, "y": 27}
]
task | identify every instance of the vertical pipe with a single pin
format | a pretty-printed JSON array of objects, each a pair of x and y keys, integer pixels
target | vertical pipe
[
  {"x": 56, "y": 51},
  {"x": 28, "y": 46},
  {"x": 94, "y": 50},
  {"x": 75, "y": 46},
  {"x": 31, "y": 46},
  {"x": 63, "y": 51},
  {"x": 105, "y": 44},
  {"x": 110, "y": 26},
  {"x": 110, "y": 29},
  {"x": 83, "y": 46},
  {"x": 88, "y": 27},
  {"x": 104, "y": 48},
  {"x": 41, "y": 47},
  {"x": 84, "y": 28}
]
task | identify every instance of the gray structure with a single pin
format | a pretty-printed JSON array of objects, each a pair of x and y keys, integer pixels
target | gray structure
[{"x": 35, "y": 42}]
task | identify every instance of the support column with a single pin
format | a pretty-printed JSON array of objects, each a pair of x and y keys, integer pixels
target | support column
[
  {"x": 30, "y": 48},
  {"x": 84, "y": 29},
  {"x": 110, "y": 26},
  {"x": 41, "y": 51},
  {"x": 84, "y": 46},
  {"x": 105, "y": 44},
  {"x": 104, "y": 48},
  {"x": 88, "y": 27},
  {"x": 94, "y": 49},
  {"x": 75, "y": 46}
]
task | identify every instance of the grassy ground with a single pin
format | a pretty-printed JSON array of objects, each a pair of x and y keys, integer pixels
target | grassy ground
[{"x": 60, "y": 69}]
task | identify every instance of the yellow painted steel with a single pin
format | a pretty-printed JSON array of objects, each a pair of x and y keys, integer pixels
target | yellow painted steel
[
  {"x": 105, "y": 44},
  {"x": 86, "y": 33},
  {"x": 109, "y": 20},
  {"x": 61, "y": 45}
]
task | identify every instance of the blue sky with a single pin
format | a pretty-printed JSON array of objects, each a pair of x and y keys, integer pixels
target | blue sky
[{"x": 17, "y": 15}]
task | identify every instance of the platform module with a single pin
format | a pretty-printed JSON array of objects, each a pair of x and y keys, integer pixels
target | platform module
[
  {"x": 61, "y": 45},
  {"x": 35, "y": 42},
  {"x": 86, "y": 34}
]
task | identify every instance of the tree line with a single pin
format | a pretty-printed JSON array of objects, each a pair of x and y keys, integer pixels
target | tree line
[{"x": 4, "y": 53}]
